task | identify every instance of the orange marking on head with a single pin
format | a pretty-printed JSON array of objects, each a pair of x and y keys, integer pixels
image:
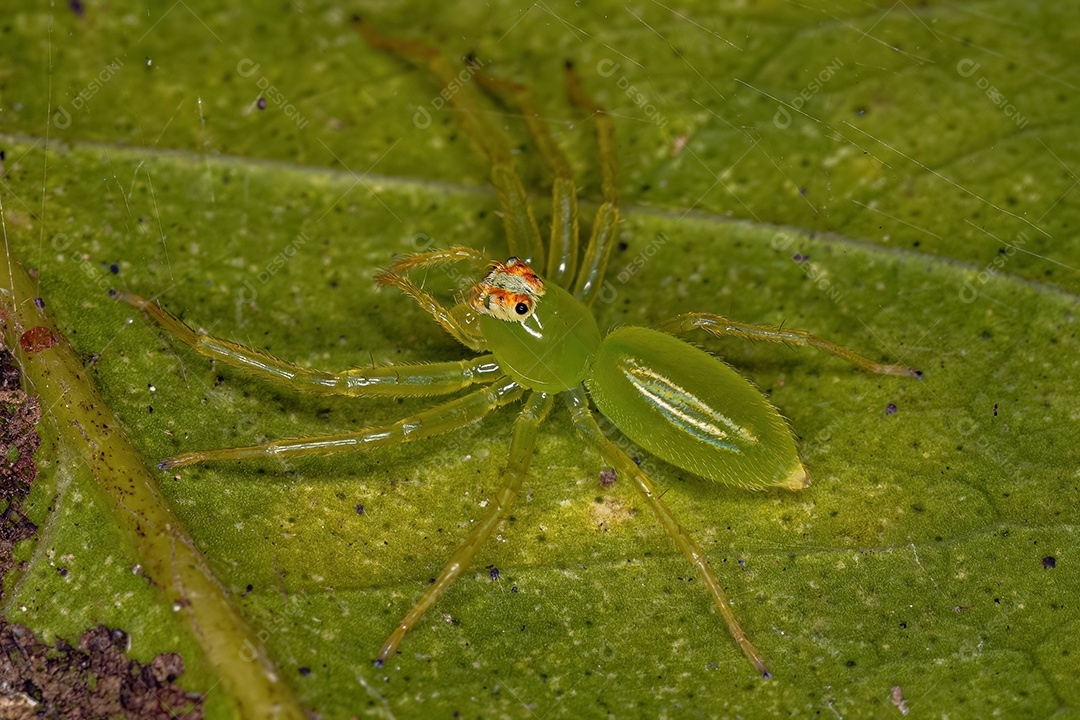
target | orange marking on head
[{"x": 509, "y": 292}]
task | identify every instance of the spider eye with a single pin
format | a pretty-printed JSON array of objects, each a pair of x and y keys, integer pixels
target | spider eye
[{"x": 521, "y": 309}]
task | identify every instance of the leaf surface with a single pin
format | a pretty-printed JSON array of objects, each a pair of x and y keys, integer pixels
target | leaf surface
[{"x": 898, "y": 180}]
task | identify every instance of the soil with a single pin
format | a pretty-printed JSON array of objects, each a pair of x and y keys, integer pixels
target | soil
[
  {"x": 95, "y": 679},
  {"x": 19, "y": 415}
]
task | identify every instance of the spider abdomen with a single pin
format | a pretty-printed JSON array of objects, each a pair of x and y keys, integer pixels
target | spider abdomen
[{"x": 692, "y": 410}]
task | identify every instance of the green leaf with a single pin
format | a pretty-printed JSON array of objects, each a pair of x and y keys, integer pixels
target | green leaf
[{"x": 899, "y": 181}]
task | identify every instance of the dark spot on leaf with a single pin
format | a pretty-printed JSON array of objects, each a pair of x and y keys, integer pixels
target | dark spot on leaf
[{"x": 37, "y": 339}]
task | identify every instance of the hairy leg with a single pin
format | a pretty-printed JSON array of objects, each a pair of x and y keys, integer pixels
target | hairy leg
[
  {"x": 563, "y": 246},
  {"x": 440, "y": 419},
  {"x": 586, "y": 425},
  {"x": 521, "y": 452},
  {"x": 522, "y": 233},
  {"x": 390, "y": 381},
  {"x": 449, "y": 320},
  {"x": 457, "y": 253},
  {"x": 605, "y": 225},
  {"x": 721, "y": 326}
]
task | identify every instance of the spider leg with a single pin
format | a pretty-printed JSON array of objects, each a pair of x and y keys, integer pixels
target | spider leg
[
  {"x": 457, "y": 253},
  {"x": 604, "y": 234},
  {"x": 721, "y": 326},
  {"x": 449, "y": 320},
  {"x": 522, "y": 233},
  {"x": 521, "y": 452},
  {"x": 392, "y": 381},
  {"x": 563, "y": 246},
  {"x": 440, "y": 419},
  {"x": 586, "y": 425}
]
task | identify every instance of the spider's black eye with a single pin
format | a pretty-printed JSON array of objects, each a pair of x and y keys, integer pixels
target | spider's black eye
[{"x": 521, "y": 309}]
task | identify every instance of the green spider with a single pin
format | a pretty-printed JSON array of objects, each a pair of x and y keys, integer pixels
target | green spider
[{"x": 538, "y": 338}]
